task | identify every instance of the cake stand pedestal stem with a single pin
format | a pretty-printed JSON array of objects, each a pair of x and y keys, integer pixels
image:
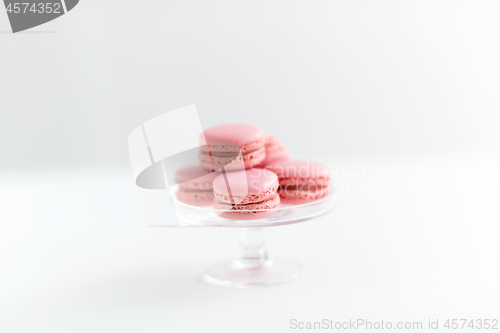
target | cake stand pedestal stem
[
  {"x": 252, "y": 253},
  {"x": 252, "y": 267}
]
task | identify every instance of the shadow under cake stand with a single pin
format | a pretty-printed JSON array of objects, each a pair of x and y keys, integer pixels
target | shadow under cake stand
[{"x": 252, "y": 266}]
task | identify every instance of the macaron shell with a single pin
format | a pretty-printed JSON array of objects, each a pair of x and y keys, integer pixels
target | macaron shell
[
  {"x": 246, "y": 186},
  {"x": 275, "y": 156},
  {"x": 230, "y": 215},
  {"x": 247, "y": 137},
  {"x": 273, "y": 144},
  {"x": 195, "y": 178}
]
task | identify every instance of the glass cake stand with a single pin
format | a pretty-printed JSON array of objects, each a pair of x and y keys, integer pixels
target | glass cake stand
[{"x": 252, "y": 266}]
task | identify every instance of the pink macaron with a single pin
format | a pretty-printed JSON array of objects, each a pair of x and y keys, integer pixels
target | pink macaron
[
  {"x": 301, "y": 181},
  {"x": 241, "y": 193},
  {"x": 232, "y": 146},
  {"x": 275, "y": 151},
  {"x": 195, "y": 185}
]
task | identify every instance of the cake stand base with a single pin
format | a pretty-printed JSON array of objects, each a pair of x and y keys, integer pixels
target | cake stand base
[{"x": 230, "y": 275}]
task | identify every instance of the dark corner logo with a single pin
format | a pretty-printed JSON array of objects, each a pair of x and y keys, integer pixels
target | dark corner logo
[{"x": 26, "y": 14}]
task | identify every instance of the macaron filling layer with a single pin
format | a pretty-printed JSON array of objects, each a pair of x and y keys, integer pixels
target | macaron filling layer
[
  {"x": 245, "y": 161},
  {"x": 225, "y": 157},
  {"x": 221, "y": 147},
  {"x": 193, "y": 186},
  {"x": 305, "y": 192},
  {"x": 320, "y": 181}
]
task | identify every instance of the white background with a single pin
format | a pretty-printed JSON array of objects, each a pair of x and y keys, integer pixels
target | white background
[{"x": 410, "y": 89}]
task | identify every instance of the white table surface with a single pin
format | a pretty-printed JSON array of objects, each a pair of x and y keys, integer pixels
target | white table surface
[{"x": 419, "y": 241}]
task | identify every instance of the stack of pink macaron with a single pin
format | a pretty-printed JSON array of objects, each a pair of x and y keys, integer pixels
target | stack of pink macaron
[{"x": 248, "y": 174}]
